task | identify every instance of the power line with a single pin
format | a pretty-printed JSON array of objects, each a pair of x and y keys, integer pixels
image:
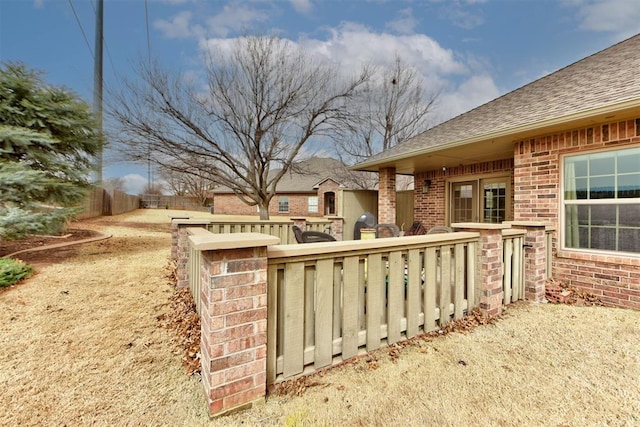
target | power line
[{"x": 81, "y": 29}]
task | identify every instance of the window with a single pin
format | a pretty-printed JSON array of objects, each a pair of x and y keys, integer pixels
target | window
[
  {"x": 283, "y": 204},
  {"x": 329, "y": 203},
  {"x": 601, "y": 201},
  {"x": 485, "y": 200},
  {"x": 495, "y": 202},
  {"x": 312, "y": 204}
]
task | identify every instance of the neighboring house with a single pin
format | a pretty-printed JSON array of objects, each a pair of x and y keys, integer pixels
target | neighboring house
[
  {"x": 309, "y": 189},
  {"x": 563, "y": 150}
]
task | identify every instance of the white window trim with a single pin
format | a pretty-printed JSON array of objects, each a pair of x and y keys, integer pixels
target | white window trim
[
  {"x": 562, "y": 201},
  {"x": 288, "y": 207},
  {"x": 316, "y": 206}
]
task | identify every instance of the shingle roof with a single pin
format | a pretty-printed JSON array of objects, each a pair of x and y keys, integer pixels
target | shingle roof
[
  {"x": 608, "y": 77},
  {"x": 304, "y": 175}
]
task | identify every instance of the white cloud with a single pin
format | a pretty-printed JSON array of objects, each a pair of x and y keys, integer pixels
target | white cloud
[
  {"x": 621, "y": 17},
  {"x": 473, "y": 92},
  {"x": 353, "y": 45},
  {"x": 462, "y": 14},
  {"x": 302, "y": 6},
  {"x": 134, "y": 183},
  {"x": 235, "y": 17},
  {"x": 404, "y": 24},
  {"x": 179, "y": 26},
  {"x": 462, "y": 81},
  {"x": 38, "y": 4}
]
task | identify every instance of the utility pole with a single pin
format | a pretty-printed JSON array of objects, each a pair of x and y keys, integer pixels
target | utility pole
[{"x": 97, "y": 86}]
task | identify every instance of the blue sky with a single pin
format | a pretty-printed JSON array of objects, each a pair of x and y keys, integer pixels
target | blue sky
[{"x": 469, "y": 51}]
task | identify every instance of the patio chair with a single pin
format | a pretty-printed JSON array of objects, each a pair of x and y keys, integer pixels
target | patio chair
[
  {"x": 416, "y": 229},
  {"x": 297, "y": 233},
  {"x": 439, "y": 229},
  {"x": 387, "y": 230},
  {"x": 316, "y": 236}
]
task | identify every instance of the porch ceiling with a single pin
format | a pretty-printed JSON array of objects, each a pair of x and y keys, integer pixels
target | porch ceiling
[{"x": 456, "y": 156}]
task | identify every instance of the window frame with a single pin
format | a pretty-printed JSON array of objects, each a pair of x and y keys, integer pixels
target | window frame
[
  {"x": 310, "y": 205},
  {"x": 283, "y": 201},
  {"x": 478, "y": 182},
  {"x": 563, "y": 203}
]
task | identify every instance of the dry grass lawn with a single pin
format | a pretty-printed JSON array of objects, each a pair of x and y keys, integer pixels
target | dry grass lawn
[{"x": 80, "y": 345}]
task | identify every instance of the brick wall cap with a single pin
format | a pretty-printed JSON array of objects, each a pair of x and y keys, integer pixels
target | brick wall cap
[
  {"x": 210, "y": 241},
  {"x": 480, "y": 226},
  {"x": 298, "y": 218}
]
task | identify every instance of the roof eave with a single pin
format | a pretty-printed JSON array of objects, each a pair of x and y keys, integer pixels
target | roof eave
[{"x": 373, "y": 166}]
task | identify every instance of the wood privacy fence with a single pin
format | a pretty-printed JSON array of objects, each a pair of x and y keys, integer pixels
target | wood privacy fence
[
  {"x": 100, "y": 202},
  {"x": 270, "y": 312}
]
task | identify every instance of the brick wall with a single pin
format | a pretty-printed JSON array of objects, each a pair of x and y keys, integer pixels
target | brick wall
[
  {"x": 429, "y": 207},
  {"x": 327, "y": 186},
  {"x": 387, "y": 196},
  {"x": 615, "y": 279},
  {"x": 230, "y": 204},
  {"x": 234, "y": 320}
]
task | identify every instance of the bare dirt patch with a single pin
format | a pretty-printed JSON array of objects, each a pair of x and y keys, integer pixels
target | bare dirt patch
[{"x": 70, "y": 235}]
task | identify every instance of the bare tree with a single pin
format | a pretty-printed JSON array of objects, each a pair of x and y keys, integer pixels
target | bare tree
[
  {"x": 114, "y": 183},
  {"x": 264, "y": 99},
  {"x": 188, "y": 184},
  {"x": 392, "y": 108},
  {"x": 154, "y": 188}
]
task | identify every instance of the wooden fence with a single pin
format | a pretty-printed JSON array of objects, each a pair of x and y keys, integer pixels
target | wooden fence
[
  {"x": 100, "y": 202},
  {"x": 275, "y": 227},
  {"x": 334, "y": 300},
  {"x": 513, "y": 259},
  {"x": 272, "y": 311}
]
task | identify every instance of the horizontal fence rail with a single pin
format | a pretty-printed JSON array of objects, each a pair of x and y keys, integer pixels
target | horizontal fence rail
[
  {"x": 277, "y": 228},
  {"x": 334, "y": 300}
]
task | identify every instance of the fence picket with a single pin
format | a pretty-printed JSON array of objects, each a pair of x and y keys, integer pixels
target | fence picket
[
  {"x": 324, "y": 313},
  {"x": 309, "y": 305},
  {"x": 272, "y": 322},
  {"x": 508, "y": 259},
  {"x": 414, "y": 271},
  {"x": 350, "y": 307},
  {"x": 294, "y": 319},
  {"x": 471, "y": 275},
  {"x": 430, "y": 288},
  {"x": 395, "y": 296},
  {"x": 445, "y": 284},
  {"x": 375, "y": 289},
  {"x": 458, "y": 290}
]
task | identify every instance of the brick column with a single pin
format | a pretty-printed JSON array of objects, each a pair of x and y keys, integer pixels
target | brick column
[
  {"x": 535, "y": 263},
  {"x": 233, "y": 318},
  {"x": 337, "y": 226},
  {"x": 300, "y": 221},
  {"x": 490, "y": 268},
  {"x": 180, "y": 246},
  {"x": 387, "y": 196}
]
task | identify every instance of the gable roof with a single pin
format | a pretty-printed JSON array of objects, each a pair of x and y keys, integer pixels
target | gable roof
[
  {"x": 595, "y": 88},
  {"x": 304, "y": 176}
]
